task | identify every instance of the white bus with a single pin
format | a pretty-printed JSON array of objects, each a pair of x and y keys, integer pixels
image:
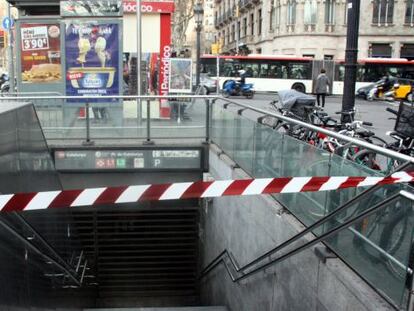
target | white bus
[{"x": 275, "y": 73}]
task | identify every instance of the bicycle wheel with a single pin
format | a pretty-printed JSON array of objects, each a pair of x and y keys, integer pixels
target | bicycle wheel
[
  {"x": 377, "y": 141},
  {"x": 392, "y": 238},
  {"x": 315, "y": 207},
  {"x": 368, "y": 158},
  {"x": 386, "y": 229},
  {"x": 269, "y": 154}
]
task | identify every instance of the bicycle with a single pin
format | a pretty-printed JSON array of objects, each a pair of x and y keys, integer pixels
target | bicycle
[{"x": 403, "y": 144}]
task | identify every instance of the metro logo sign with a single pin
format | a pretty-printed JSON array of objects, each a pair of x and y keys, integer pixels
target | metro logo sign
[{"x": 149, "y": 7}]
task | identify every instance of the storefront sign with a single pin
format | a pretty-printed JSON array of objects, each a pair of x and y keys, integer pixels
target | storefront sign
[
  {"x": 149, "y": 7},
  {"x": 165, "y": 54},
  {"x": 72, "y": 8},
  {"x": 40, "y": 53},
  {"x": 92, "y": 59}
]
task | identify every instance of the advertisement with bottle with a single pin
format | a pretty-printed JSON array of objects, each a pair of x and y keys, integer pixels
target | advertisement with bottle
[
  {"x": 92, "y": 59},
  {"x": 40, "y": 53}
]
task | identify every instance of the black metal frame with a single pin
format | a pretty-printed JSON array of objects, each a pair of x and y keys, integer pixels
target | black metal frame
[{"x": 239, "y": 270}]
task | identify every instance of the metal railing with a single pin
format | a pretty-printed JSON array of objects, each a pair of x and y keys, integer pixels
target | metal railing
[
  {"x": 203, "y": 100},
  {"x": 120, "y": 117},
  {"x": 263, "y": 152},
  {"x": 240, "y": 271},
  {"x": 144, "y": 126}
]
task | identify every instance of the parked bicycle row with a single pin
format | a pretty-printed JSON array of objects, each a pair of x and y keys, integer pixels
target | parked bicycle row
[{"x": 302, "y": 107}]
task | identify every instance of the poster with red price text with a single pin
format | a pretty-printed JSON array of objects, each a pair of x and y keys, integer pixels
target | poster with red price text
[{"x": 40, "y": 53}]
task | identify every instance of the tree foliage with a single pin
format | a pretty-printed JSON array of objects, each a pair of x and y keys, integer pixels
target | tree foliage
[{"x": 182, "y": 16}]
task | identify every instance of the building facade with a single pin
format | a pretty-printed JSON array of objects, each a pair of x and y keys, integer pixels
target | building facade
[{"x": 315, "y": 28}]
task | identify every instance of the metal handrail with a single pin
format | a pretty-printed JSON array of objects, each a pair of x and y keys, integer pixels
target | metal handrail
[
  {"x": 241, "y": 276},
  {"x": 358, "y": 142},
  {"x": 214, "y": 98},
  {"x": 320, "y": 222},
  {"x": 36, "y": 250}
]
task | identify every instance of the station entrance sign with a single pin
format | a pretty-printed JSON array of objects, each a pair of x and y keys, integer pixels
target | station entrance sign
[{"x": 131, "y": 159}]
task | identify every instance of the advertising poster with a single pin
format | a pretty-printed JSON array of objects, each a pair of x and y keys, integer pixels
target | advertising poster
[
  {"x": 180, "y": 75},
  {"x": 40, "y": 53},
  {"x": 92, "y": 59}
]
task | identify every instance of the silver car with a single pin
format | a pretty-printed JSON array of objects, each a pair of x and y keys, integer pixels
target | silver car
[{"x": 207, "y": 83}]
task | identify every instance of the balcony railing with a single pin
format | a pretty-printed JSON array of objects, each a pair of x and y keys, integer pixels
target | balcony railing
[{"x": 246, "y": 3}]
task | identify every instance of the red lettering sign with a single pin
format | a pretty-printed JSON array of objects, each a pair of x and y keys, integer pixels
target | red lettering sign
[
  {"x": 74, "y": 76},
  {"x": 149, "y": 7}
]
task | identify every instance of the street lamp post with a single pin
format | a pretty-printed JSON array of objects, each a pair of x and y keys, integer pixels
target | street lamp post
[{"x": 198, "y": 18}]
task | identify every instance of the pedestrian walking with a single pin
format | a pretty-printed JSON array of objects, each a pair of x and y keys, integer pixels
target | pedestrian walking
[{"x": 321, "y": 87}]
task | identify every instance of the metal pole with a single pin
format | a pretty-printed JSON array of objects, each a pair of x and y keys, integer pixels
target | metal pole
[
  {"x": 10, "y": 49},
  {"x": 351, "y": 56},
  {"x": 139, "y": 37},
  {"x": 148, "y": 123},
  {"x": 207, "y": 120},
  {"x": 88, "y": 141},
  {"x": 218, "y": 74},
  {"x": 237, "y": 29},
  {"x": 198, "y": 29}
]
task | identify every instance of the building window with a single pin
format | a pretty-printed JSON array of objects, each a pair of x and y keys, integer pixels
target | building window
[
  {"x": 272, "y": 16},
  {"x": 310, "y": 12},
  {"x": 260, "y": 20},
  {"x": 278, "y": 10},
  {"x": 407, "y": 51},
  {"x": 328, "y": 57},
  {"x": 383, "y": 11},
  {"x": 383, "y": 50},
  {"x": 291, "y": 12},
  {"x": 228, "y": 35},
  {"x": 244, "y": 26},
  {"x": 252, "y": 24},
  {"x": 233, "y": 33},
  {"x": 329, "y": 12},
  {"x": 409, "y": 13}
]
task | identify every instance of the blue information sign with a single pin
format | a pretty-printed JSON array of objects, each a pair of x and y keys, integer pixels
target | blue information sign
[{"x": 7, "y": 23}]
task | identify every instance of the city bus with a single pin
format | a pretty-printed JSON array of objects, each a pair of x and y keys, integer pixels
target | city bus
[{"x": 275, "y": 73}]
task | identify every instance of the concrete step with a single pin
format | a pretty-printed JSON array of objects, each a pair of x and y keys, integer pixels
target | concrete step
[{"x": 213, "y": 308}]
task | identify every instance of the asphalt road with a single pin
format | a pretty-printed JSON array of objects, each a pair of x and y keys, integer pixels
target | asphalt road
[{"x": 369, "y": 111}]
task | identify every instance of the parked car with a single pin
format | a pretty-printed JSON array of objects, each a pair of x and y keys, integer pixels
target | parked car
[{"x": 208, "y": 84}]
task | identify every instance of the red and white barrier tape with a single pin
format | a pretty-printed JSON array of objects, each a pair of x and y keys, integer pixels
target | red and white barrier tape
[{"x": 189, "y": 190}]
